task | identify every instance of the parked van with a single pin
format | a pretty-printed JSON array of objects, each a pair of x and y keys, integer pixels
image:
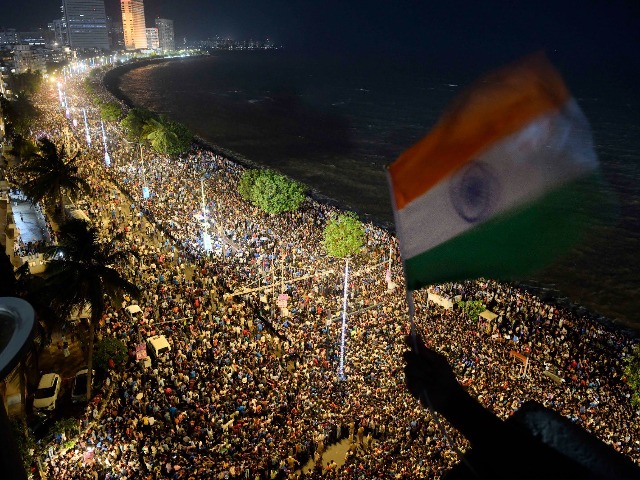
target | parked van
[{"x": 158, "y": 346}]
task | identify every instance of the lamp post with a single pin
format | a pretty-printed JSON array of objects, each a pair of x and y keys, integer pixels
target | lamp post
[
  {"x": 206, "y": 238},
  {"x": 343, "y": 330},
  {"x": 145, "y": 187},
  {"x": 107, "y": 158},
  {"x": 86, "y": 127}
]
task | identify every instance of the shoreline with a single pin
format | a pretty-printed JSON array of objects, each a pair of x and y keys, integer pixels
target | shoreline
[
  {"x": 111, "y": 83},
  {"x": 549, "y": 292}
]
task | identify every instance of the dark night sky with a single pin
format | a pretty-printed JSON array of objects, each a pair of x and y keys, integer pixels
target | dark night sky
[{"x": 487, "y": 31}]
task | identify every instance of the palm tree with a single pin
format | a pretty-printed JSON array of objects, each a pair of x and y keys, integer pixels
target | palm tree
[
  {"x": 22, "y": 147},
  {"x": 81, "y": 273},
  {"x": 51, "y": 173},
  {"x": 160, "y": 135}
]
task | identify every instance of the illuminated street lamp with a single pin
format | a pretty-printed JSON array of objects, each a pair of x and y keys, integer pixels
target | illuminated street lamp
[
  {"x": 145, "y": 187},
  {"x": 86, "y": 127},
  {"x": 107, "y": 158},
  {"x": 343, "y": 330},
  {"x": 206, "y": 238},
  {"x": 60, "y": 95}
]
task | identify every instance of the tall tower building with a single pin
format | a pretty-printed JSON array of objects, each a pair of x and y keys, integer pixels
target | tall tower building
[
  {"x": 86, "y": 24},
  {"x": 165, "y": 34},
  {"x": 133, "y": 24}
]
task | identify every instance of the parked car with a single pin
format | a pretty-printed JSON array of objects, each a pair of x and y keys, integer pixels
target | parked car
[
  {"x": 39, "y": 425},
  {"x": 79, "y": 390},
  {"x": 47, "y": 393}
]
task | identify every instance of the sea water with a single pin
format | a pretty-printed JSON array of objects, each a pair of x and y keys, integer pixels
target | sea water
[{"x": 334, "y": 124}]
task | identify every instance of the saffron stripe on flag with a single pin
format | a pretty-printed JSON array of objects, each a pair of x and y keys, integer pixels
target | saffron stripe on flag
[
  {"x": 494, "y": 107},
  {"x": 551, "y": 150},
  {"x": 499, "y": 186}
]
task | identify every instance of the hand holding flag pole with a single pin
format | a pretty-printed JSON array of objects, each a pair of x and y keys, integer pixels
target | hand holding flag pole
[{"x": 504, "y": 180}]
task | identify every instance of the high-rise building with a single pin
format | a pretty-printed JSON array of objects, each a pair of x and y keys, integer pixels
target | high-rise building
[
  {"x": 152, "y": 39},
  {"x": 165, "y": 34},
  {"x": 59, "y": 29},
  {"x": 116, "y": 34},
  {"x": 133, "y": 24},
  {"x": 86, "y": 23},
  {"x": 9, "y": 37}
]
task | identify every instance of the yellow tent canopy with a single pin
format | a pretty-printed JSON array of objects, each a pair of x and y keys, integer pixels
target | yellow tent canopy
[{"x": 488, "y": 315}]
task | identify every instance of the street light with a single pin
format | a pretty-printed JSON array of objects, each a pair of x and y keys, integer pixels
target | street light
[
  {"x": 206, "y": 238},
  {"x": 86, "y": 127},
  {"x": 343, "y": 331},
  {"x": 145, "y": 187},
  {"x": 107, "y": 158},
  {"x": 146, "y": 193}
]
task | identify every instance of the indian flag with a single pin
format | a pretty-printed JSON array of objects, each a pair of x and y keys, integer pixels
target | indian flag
[{"x": 501, "y": 184}]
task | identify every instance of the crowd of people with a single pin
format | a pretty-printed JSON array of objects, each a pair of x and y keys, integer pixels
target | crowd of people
[{"x": 250, "y": 389}]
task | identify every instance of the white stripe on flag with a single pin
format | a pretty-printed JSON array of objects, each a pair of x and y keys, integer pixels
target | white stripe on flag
[{"x": 552, "y": 150}]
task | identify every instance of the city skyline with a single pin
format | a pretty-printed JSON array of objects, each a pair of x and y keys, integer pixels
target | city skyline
[{"x": 581, "y": 33}]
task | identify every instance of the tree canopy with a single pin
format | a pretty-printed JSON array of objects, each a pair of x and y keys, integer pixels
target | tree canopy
[
  {"x": 167, "y": 137},
  {"x": 51, "y": 173},
  {"x": 110, "y": 348},
  {"x": 472, "y": 308},
  {"x": 632, "y": 372},
  {"x": 82, "y": 273},
  {"x": 134, "y": 123},
  {"x": 343, "y": 236},
  {"x": 22, "y": 147},
  {"x": 110, "y": 111},
  {"x": 270, "y": 191},
  {"x": 20, "y": 112},
  {"x": 25, "y": 83}
]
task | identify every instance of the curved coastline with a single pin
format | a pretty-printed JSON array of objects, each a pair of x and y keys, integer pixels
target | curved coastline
[
  {"x": 548, "y": 292},
  {"x": 111, "y": 82}
]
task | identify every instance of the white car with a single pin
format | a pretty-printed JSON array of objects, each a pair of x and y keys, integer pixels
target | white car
[{"x": 47, "y": 392}]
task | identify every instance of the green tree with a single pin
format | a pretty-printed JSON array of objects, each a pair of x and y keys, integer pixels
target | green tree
[
  {"x": 110, "y": 111},
  {"x": 472, "y": 308},
  {"x": 184, "y": 138},
  {"x": 20, "y": 113},
  {"x": 134, "y": 123},
  {"x": 167, "y": 137},
  {"x": 22, "y": 147},
  {"x": 343, "y": 236},
  {"x": 158, "y": 133},
  {"x": 50, "y": 174},
  {"x": 632, "y": 372},
  {"x": 83, "y": 273},
  {"x": 110, "y": 348},
  {"x": 24, "y": 441},
  {"x": 26, "y": 83},
  {"x": 68, "y": 426},
  {"x": 271, "y": 192},
  {"x": 247, "y": 182}
]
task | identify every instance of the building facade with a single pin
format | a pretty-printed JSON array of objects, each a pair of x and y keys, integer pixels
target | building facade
[
  {"x": 165, "y": 34},
  {"x": 9, "y": 37},
  {"x": 116, "y": 34},
  {"x": 152, "y": 39},
  {"x": 86, "y": 23},
  {"x": 59, "y": 29},
  {"x": 26, "y": 57},
  {"x": 133, "y": 24}
]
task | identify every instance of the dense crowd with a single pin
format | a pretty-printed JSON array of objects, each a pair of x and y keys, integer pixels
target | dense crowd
[{"x": 249, "y": 390}]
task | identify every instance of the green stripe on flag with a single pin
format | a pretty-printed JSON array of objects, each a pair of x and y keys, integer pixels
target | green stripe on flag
[{"x": 518, "y": 242}]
